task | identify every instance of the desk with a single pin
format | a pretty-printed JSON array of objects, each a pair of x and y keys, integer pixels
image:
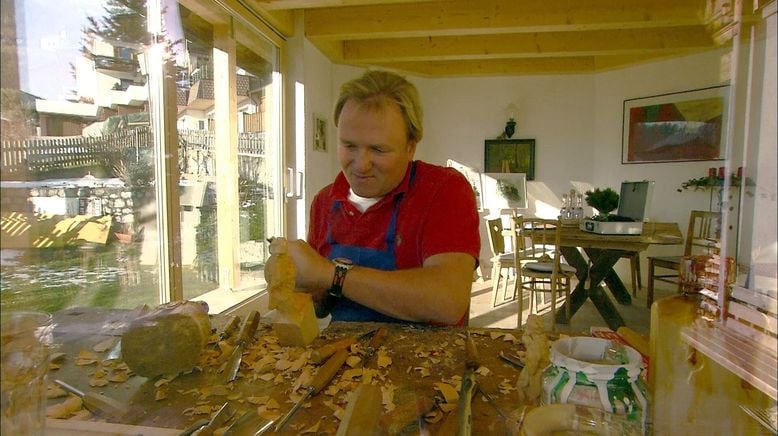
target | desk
[
  {"x": 604, "y": 251},
  {"x": 420, "y": 357}
]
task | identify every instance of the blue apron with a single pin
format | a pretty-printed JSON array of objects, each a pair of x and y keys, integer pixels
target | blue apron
[{"x": 346, "y": 309}]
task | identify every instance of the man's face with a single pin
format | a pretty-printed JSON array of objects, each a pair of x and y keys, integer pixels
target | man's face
[{"x": 373, "y": 148}]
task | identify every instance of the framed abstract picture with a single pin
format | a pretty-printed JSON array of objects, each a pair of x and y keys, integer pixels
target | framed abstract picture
[
  {"x": 510, "y": 156},
  {"x": 674, "y": 127}
]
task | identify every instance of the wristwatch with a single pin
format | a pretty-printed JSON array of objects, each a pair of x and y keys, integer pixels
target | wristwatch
[{"x": 342, "y": 265}]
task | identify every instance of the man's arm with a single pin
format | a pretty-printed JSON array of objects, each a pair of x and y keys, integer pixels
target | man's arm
[{"x": 437, "y": 292}]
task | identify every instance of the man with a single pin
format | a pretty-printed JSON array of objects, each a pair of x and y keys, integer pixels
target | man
[{"x": 392, "y": 239}]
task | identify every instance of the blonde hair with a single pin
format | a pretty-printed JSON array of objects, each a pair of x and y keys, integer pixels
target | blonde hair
[{"x": 377, "y": 88}]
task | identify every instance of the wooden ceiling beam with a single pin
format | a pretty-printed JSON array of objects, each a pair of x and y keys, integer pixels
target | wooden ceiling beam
[
  {"x": 274, "y": 5},
  {"x": 467, "y": 17},
  {"x": 527, "y": 45}
]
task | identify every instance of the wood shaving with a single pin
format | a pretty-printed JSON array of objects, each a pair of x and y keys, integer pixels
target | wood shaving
[
  {"x": 119, "y": 377},
  {"x": 161, "y": 393},
  {"x": 204, "y": 409},
  {"x": 85, "y": 358},
  {"x": 314, "y": 428},
  {"x": 423, "y": 372},
  {"x": 352, "y": 374},
  {"x": 236, "y": 395},
  {"x": 304, "y": 380},
  {"x": 57, "y": 357},
  {"x": 299, "y": 363},
  {"x": 449, "y": 392},
  {"x": 267, "y": 376},
  {"x": 54, "y": 366},
  {"x": 383, "y": 359},
  {"x": 65, "y": 408},
  {"x": 98, "y": 382},
  {"x": 162, "y": 381},
  {"x": 353, "y": 361},
  {"x": 54, "y": 391},
  {"x": 258, "y": 400},
  {"x": 433, "y": 417},
  {"x": 105, "y": 345},
  {"x": 447, "y": 407},
  {"x": 482, "y": 370},
  {"x": 267, "y": 414},
  {"x": 282, "y": 365},
  {"x": 459, "y": 342}
]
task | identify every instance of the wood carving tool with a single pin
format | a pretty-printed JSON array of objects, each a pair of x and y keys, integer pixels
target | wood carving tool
[
  {"x": 467, "y": 390},
  {"x": 245, "y": 337},
  {"x": 364, "y": 408},
  {"x": 229, "y": 329},
  {"x": 218, "y": 420},
  {"x": 321, "y": 354},
  {"x": 249, "y": 424},
  {"x": 97, "y": 403},
  {"x": 320, "y": 380}
]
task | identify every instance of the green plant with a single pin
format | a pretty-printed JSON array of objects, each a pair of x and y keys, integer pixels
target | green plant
[{"x": 603, "y": 200}]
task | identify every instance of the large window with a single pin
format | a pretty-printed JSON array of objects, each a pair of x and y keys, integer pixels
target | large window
[{"x": 140, "y": 154}]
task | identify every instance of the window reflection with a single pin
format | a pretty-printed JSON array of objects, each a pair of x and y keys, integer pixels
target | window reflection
[{"x": 79, "y": 203}]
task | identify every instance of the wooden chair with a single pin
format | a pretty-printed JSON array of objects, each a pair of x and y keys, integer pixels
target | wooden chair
[
  {"x": 501, "y": 260},
  {"x": 701, "y": 238},
  {"x": 538, "y": 262}
]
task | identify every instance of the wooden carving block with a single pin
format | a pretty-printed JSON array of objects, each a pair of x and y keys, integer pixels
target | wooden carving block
[
  {"x": 167, "y": 340},
  {"x": 295, "y": 324}
]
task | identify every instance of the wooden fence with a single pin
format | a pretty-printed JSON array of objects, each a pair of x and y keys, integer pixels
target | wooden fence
[{"x": 47, "y": 157}]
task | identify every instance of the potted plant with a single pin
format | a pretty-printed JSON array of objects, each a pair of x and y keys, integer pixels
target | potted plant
[{"x": 604, "y": 201}]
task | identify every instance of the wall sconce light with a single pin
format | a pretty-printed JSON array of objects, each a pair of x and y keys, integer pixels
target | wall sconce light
[{"x": 510, "y": 127}]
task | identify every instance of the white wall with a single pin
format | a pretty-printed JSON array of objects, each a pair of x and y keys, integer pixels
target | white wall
[{"x": 576, "y": 121}]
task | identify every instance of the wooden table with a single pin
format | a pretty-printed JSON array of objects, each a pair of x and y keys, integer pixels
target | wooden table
[
  {"x": 603, "y": 252},
  {"x": 420, "y": 358}
]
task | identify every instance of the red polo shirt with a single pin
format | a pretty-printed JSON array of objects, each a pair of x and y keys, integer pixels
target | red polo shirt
[{"x": 437, "y": 215}]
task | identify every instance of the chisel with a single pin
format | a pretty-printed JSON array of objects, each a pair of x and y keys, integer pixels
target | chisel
[
  {"x": 320, "y": 380},
  {"x": 246, "y": 336},
  {"x": 321, "y": 354},
  {"x": 468, "y": 388},
  {"x": 97, "y": 403}
]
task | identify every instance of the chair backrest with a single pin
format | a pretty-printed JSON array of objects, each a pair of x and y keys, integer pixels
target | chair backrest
[
  {"x": 704, "y": 233},
  {"x": 496, "y": 239},
  {"x": 536, "y": 237}
]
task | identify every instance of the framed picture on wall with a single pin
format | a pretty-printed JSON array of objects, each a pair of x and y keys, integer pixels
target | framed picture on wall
[
  {"x": 510, "y": 156},
  {"x": 675, "y": 127},
  {"x": 504, "y": 190},
  {"x": 319, "y": 133}
]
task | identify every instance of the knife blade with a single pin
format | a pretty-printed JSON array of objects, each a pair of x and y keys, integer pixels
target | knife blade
[
  {"x": 246, "y": 335},
  {"x": 98, "y": 404},
  {"x": 229, "y": 329},
  {"x": 249, "y": 424},
  {"x": 217, "y": 421},
  {"x": 322, "y": 378}
]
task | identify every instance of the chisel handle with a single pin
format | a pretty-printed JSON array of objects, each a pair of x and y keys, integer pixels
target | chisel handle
[
  {"x": 327, "y": 371},
  {"x": 320, "y": 354},
  {"x": 96, "y": 403},
  {"x": 249, "y": 328}
]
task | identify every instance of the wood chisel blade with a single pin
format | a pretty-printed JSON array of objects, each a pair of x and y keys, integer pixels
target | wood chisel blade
[
  {"x": 98, "y": 404},
  {"x": 245, "y": 336}
]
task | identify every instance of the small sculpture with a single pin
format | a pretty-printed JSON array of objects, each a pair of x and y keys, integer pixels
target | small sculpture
[{"x": 295, "y": 323}]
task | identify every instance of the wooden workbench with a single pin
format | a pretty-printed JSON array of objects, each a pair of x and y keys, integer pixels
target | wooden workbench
[{"x": 420, "y": 358}]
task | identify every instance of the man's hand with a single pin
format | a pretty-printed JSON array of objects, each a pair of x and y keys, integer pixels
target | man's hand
[{"x": 314, "y": 272}]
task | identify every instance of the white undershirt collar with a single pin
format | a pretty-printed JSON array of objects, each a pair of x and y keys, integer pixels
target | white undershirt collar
[{"x": 361, "y": 203}]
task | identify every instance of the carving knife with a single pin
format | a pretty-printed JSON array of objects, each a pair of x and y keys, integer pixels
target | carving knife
[
  {"x": 207, "y": 427},
  {"x": 97, "y": 403},
  {"x": 246, "y": 336},
  {"x": 229, "y": 329},
  {"x": 320, "y": 380}
]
